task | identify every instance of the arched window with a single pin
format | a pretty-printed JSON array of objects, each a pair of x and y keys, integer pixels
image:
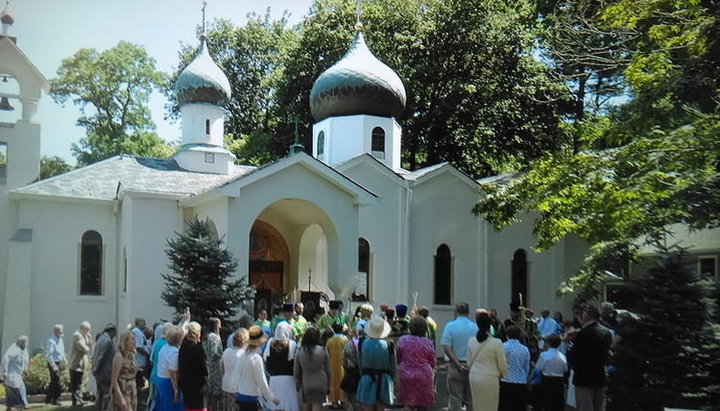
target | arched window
[
  {"x": 519, "y": 278},
  {"x": 91, "y": 264},
  {"x": 378, "y": 142},
  {"x": 321, "y": 143},
  {"x": 443, "y": 275},
  {"x": 362, "y": 284},
  {"x": 207, "y": 127}
]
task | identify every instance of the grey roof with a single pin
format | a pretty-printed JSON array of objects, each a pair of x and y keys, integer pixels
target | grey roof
[
  {"x": 358, "y": 83},
  {"x": 202, "y": 81},
  {"x": 415, "y": 175},
  {"x": 500, "y": 179},
  {"x": 100, "y": 181}
]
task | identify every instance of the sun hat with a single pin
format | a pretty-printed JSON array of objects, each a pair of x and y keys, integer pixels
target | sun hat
[
  {"x": 377, "y": 328},
  {"x": 257, "y": 336}
]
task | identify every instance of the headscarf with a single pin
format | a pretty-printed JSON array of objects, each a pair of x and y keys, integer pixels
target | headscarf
[{"x": 283, "y": 332}]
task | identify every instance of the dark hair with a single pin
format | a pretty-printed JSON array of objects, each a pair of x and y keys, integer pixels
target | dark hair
[
  {"x": 592, "y": 312},
  {"x": 483, "y": 322},
  {"x": 212, "y": 324},
  {"x": 245, "y": 321},
  {"x": 311, "y": 337},
  {"x": 418, "y": 326},
  {"x": 424, "y": 311},
  {"x": 513, "y": 333},
  {"x": 338, "y": 328},
  {"x": 553, "y": 340},
  {"x": 462, "y": 308}
]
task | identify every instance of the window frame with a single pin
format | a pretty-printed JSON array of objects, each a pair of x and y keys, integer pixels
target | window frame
[
  {"x": 378, "y": 153},
  {"x": 100, "y": 265},
  {"x": 449, "y": 275},
  {"x": 715, "y": 265}
]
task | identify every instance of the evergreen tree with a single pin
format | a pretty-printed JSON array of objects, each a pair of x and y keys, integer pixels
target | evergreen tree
[
  {"x": 202, "y": 274},
  {"x": 664, "y": 358}
]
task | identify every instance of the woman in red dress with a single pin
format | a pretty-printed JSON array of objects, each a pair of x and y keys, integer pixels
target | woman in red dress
[{"x": 416, "y": 357}]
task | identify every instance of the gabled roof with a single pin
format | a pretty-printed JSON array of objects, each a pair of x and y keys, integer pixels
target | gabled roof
[
  {"x": 428, "y": 173},
  {"x": 25, "y": 70},
  {"x": 369, "y": 159},
  {"x": 102, "y": 180},
  {"x": 500, "y": 179},
  {"x": 335, "y": 177}
]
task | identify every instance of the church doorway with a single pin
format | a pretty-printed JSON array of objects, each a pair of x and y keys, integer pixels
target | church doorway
[{"x": 268, "y": 265}]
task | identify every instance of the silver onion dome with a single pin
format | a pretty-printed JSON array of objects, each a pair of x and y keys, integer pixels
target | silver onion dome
[
  {"x": 357, "y": 84},
  {"x": 202, "y": 81}
]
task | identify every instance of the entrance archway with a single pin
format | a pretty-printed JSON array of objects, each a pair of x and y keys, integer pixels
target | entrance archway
[{"x": 268, "y": 266}]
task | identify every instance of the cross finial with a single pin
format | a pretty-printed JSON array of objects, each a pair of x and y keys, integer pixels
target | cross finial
[
  {"x": 358, "y": 14},
  {"x": 203, "y": 15},
  {"x": 296, "y": 147}
]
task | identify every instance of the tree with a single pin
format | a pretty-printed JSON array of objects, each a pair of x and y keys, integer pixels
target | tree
[
  {"x": 201, "y": 277},
  {"x": 112, "y": 89},
  {"x": 650, "y": 162},
  {"x": 665, "y": 358},
  {"x": 52, "y": 166}
]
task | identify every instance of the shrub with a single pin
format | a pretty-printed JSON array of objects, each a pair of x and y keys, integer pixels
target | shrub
[{"x": 38, "y": 377}]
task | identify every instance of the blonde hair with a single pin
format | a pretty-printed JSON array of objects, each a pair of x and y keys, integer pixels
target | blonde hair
[
  {"x": 123, "y": 341},
  {"x": 193, "y": 331},
  {"x": 166, "y": 329},
  {"x": 241, "y": 338},
  {"x": 174, "y": 336}
]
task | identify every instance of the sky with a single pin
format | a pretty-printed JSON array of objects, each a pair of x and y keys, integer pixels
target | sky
[{"x": 48, "y": 31}]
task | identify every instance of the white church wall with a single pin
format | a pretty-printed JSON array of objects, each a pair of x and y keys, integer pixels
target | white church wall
[
  {"x": 217, "y": 212},
  {"x": 202, "y": 124},
  {"x": 436, "y": 220},
  {"x": 298, "y": 182},
  {"x": 384, "y": 225},
  {"x": 58, "y": 228},
  {"x": 153, "y": 222}
]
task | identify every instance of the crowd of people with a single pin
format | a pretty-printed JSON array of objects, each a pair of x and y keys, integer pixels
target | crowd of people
[{"x": 372, "y": 359}]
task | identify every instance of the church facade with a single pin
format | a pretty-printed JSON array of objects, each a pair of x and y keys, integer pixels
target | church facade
[{"x": 345, "y": 221}]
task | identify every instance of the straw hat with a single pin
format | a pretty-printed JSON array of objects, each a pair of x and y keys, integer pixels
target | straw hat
[
  {"x": 377, "y": 328},
  {"x": 257, "y": 336}
]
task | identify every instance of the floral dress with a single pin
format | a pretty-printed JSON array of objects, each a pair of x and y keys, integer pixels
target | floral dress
[
  {"x": 126, "y": 382},
  {"x": 213, "y": 353},
  {"x": 416, "y": 357}
]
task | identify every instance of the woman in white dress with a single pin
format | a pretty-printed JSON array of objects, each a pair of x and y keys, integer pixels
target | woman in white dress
[{"x": 279, "y": 356}]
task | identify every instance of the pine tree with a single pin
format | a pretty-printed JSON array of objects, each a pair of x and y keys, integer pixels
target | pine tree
[
  {"x": 664, "y": 358},
  {"x": 202, "y": 275}
]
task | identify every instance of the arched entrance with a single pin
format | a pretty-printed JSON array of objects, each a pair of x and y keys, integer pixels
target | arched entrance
[{"x": 268, "y": 266}]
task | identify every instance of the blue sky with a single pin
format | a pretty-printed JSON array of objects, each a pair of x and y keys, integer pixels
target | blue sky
[{"x": 48, "y": 31}]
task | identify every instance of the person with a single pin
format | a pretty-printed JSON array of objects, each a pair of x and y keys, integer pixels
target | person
[
  {"x": 547, "y": 325},
  {"x": 159, "y": 343},
  {"x": 513, "y": 386},
  {"x": 229, "y": 365},
  {"x": 262, "y": 320},
  {"x": 55, "y": 354},
  {"x": 78, "y": 359},
  {"x": 245, "y": 322},
  {"x": 377, "y": 362},
  {"x": 286, "y": 314},
  {"x": 588, "y": 358},
  {"x": 192, "y": 369},
  {"x": 123, "y": 390},
  {"x": 301, "y": 323},
  {"x": 608, "y": 316},
  {"x": 169, "y": 397},
  {"x": 454, "y": 341},
  {"x": 333, "y": 316},
  {"x": 553, "y": 366},
  {"x": 13, "y": 368},
  {"x": 401, "y": 324},
  {"x": 334, "y": 347},
  {"x": 213, "y": 352},
  {"x": 142, "y": 349},
  {"x": 312, "y": 371},
  {"x": 102, "y": 360},
  {"x": 431, "y": 324},
  {"x": 250, "y": 371},
  {"x": 351, "y": 363},
  {"x": 416, "y": 358},
  {"x": 279, "y": 355},
  {"x": 487, "y": 363}
]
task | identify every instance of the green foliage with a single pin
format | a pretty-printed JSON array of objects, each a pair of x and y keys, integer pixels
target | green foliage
[
  {"x": 112, "y": 89},
  {"x": 38, "y": 377},
  {"x": 665, "y": 358},
  {"x": 201, "y": 277},
  {"x": 53, "y": 165}
]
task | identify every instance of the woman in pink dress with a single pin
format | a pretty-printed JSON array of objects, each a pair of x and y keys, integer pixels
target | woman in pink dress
[{"x": 416, "y": 357}]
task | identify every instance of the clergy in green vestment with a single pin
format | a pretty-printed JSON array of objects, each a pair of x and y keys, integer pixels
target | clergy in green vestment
[{"x": 334, "y": 316}]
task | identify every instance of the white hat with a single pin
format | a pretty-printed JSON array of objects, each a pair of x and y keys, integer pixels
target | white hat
[{"x": 377, "y": 328}]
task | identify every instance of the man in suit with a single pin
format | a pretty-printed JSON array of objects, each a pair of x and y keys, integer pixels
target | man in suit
[
  {"x": 79, "y": 351},
  {"x": 102, "y": 365},
  {"x": 588, "y": 357}
]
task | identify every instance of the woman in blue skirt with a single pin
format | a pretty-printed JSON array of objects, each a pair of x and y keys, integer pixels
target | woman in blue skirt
[{"x": 377, "y": 364}]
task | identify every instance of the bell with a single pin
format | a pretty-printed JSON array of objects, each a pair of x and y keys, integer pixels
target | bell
[{"x": 5, "y": 104}]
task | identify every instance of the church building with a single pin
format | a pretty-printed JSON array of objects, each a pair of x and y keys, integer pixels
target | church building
[{"x": 346, "y": 220}]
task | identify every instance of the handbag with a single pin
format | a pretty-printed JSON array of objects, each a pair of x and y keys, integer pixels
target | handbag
[{"x": 350, "y": 380}]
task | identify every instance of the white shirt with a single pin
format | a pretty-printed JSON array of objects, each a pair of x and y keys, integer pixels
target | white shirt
[
  {"x": 140, "y": 342},
  {"x": 167, "y": 360},
  {"x": 230, "y": 361},
  {"x": 250, "y": 377},
  {"x": 14, "y": 363},
  {"x": 552, "y": 363},
  {"x": 547, "y": 326}
]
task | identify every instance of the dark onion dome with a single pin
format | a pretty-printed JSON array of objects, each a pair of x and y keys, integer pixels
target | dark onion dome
[
  {"x": 5, "y": 16},
  {"x": 202, "y": 81},
  {"x": 357, "y": 84}
]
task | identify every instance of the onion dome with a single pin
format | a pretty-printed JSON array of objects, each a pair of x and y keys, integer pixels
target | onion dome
[
  {"x": 5, "y": 16},
  {"x": 357, "y": 84},
  {"x": 202, "y": 81}
]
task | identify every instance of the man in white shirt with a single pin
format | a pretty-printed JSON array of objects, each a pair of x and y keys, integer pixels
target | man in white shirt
[
  {"x": 55, "y": 354},
  {"x": 553, "y": 365},
  {"x": 454, "y": 340},
  {"x": 13, "y": 368}
]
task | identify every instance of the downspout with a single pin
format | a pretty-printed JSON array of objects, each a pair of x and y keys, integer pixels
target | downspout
[{"x": 406, "y": 246}]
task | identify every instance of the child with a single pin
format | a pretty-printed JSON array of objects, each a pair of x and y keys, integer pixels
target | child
[{"x": 553, "y": 365}]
